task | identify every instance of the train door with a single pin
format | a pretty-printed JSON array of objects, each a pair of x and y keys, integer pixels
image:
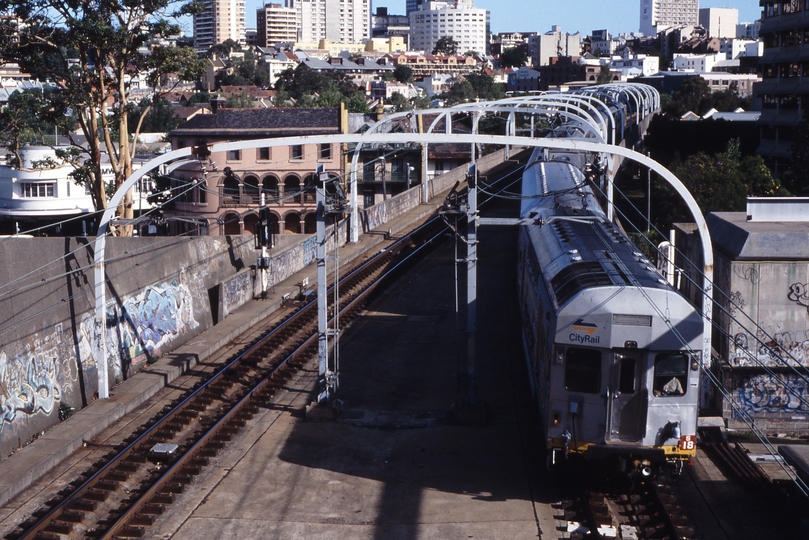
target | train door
[{"x": 626, "y": 417}]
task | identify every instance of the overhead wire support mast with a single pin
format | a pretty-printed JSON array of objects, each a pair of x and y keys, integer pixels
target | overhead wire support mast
[{"x": 328, "y": 375}]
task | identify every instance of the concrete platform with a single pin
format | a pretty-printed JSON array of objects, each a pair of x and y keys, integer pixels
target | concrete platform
[{"x": 397, "y": 463}]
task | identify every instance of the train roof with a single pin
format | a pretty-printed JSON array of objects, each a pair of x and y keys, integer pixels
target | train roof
[{"x": 578, "y": 249}]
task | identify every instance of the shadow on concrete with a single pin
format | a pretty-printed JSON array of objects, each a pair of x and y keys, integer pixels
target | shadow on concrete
[{"x": 395, "y": 461}]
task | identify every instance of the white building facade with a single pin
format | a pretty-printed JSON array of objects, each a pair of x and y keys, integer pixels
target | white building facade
[
  {"x": 339, "y": 21},
  {"x": 657, "y": 15},
  {"x": 460, "y": 20},
  {"x": 34, "y": 190},
  {"x": 554, "y": 43},
  {"x": 719, "y": 22}
]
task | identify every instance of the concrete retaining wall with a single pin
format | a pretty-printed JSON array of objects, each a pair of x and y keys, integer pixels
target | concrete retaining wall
[{"x": 161, "y": 291}]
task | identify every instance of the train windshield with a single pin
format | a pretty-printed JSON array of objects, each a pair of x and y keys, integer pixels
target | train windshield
[
  {"x": 671, "y": 374},
  {"x": 583, "y": 370}
]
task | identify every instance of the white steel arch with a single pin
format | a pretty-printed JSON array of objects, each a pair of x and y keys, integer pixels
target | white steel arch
[{"x": 99, "y": 342}]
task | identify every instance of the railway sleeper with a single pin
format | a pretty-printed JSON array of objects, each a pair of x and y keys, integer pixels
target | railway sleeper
[
  {"x": 173, "y": 488},
  {"x": 117, "y": 475},
  {"x": 42, "y": 535},
  {"x": 83, "y": 505},
  {"x": 141, "y": 519},
  {"x": 72, "y": 516},
  {"x": 190, "y": 470},
  {"x": 53, "y": 501},
  {"x": 182, "y": 479},
  {"x": 60, "y": 527},
  {"x": 161, "y": 499},
  {"x": 129, "y": 531},
  {"x": 153, "y": 509},
  {"x": 97, "y": 495}
]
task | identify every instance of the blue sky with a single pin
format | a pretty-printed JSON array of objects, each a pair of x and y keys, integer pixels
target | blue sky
[{"x": 617, "y": 16}]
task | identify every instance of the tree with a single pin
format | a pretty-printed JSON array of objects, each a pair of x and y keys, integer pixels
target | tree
[
  {"x": 485, "y": 87},
  {"x": 312, "y": 89},
  {"x": 604, "y": 75},
  {"x": 224, "y": 49},
  {"x": 28, "y": 117},
  {"x": 89, "y": 50},
  {"x": 403, "y": 73},
  {"x": 159, "y": 119},
  {"x": 446, "y": 45},
  {"x": 460, "y": 92},
  {"x": 399, "y": 102},
  {"x": 693, "y": 95},
  {"x": 513, "y": 57},
  {"x": 719, "y": 183},
  {"x": 242, "y": 100}
]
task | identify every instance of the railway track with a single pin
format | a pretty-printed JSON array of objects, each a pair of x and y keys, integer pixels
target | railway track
[
  {"x": 126, "y": 490},
  {"x": 646, "y": 510}
]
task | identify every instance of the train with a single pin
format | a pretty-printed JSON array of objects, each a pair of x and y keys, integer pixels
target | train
[{"x": 612, "y": 349}]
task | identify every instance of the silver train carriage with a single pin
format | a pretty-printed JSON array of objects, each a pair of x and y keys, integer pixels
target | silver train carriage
[{"x": 610, "y": 345}]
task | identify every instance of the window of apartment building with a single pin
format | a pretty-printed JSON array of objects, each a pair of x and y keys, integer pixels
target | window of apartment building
[
  {"x": 234, "y": 155},
  {"x": 792, "y": 37},
  {"x": 296, "y": 151},
  {"x": 38, "y": 189},
  {"x": 325, "y": 151},
  {"x": 263, "y": 154}
]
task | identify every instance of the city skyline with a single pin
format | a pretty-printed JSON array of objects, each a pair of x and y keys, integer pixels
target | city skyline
[{"x": 623, "y": 16}]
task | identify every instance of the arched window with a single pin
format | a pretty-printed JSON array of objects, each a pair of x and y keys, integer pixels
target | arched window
[
  {"x": 310, "y": 223},
  {"x": 231, "y": 224},
  {"x": 230, "y": 186},
  {"x": 292, "y": 223},
  {"x": 292, "y": 189},
  {"x": 250, "y": 188},
  {"x": 310, "y": 188},
  {"x": 270, "y": 187}
]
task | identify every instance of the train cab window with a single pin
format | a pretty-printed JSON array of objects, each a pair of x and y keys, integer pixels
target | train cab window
[
  {"x": 671, "y": 374},
  {"x": 626, "y": 375},
  {"x": 583, "y": 370}
]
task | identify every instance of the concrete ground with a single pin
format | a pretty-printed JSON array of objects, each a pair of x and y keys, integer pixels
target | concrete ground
[{"x": 395, "y": 465}]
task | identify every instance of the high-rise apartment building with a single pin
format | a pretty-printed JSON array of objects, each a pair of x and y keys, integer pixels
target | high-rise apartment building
[
  {"x": 339, "y": 21},
  {"x": 458, "y": 19},
  {"x": 657, "y": 15},
  {"x": 276, "y": 24},
  {"x": 219, "y": 21},
  {"x": 413, "y": 5},
  {"x": 784, "y": 89}
]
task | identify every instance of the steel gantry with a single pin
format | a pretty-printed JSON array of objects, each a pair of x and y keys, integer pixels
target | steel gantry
[{"x": 588, "y": 117}]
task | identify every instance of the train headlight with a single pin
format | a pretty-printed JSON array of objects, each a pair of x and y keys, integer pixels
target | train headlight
[
  {"x": 556, "y": 419},
  {"x": 559, "y": 357}
]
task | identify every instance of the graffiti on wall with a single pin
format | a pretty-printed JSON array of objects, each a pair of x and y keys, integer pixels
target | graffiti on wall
[
  {"x": 152, "y": 319},
  {"x": 34, "y": 380},
  {"x": 799, "y": 293},
  {"x": 236, "y": 291},
  {"x": 309, "y": 250},
  {"x": 375, "y": 216},
  {"x": 765, "y": 393},
  {"x": 780, "y": 349}
]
